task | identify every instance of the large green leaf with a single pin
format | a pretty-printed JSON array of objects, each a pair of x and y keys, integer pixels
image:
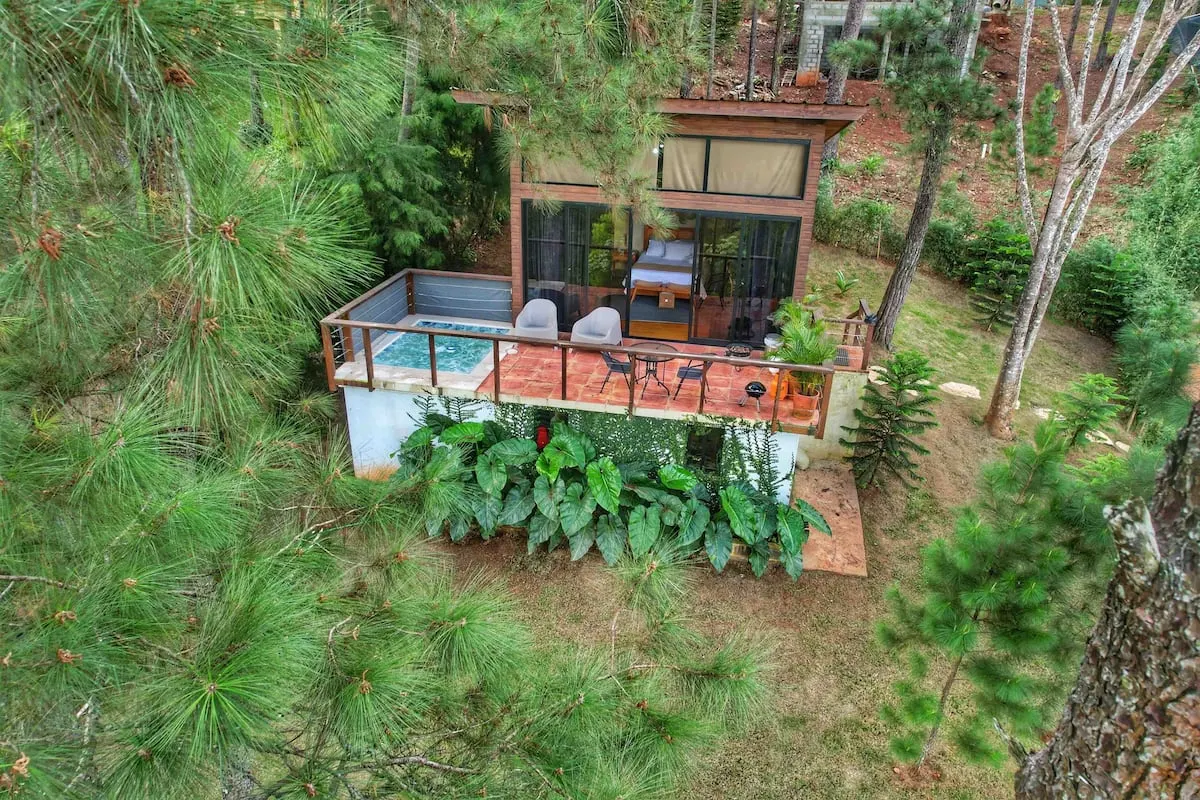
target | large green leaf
[
  {"x": 644, "y": 528},
  {"x": 578, "y": 445},
  {"x": 463, "y": 432},
  {"x": 760, "y": 558},
  {"x": 676, "y": 477},
  {"x": 741, "y": 512},
  {"x": 518, "y": 505},
  {"x": 610, "y": 538},
  {"x": 813, "y": 517},
  {"x": 693, "y": 521},
  {"x": 541, "y": 528},
  {"x": 459, "y": 528},
  {"x": 649, "y": 492},
  {"x": 487, "y": 514},
  {"x": 551, "y": 462},
  {"x": 515, "y": 452},
  {"x": 576, "y": 508},
  {"x": 793, "y": 532},
  {"x": 604, "y": 479},
  {"x": 718, "y": 544},
  {"x": 491, "y": 474},
  {"x": 581, "y": 541},
  {"x": 421, "y": 437},
  {"x": 547, "y": 496},
  {"x": 793, "y": 563}
]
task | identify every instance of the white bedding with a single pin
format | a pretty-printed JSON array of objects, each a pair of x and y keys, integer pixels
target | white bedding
[{"x": 673, "y": 277}]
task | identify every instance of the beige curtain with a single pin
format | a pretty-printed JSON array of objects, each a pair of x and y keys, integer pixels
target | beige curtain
[
  {"x": 565, "y": 170},
  {"x": 773, "y": 169},
  {"x": 683, "y": 164}
]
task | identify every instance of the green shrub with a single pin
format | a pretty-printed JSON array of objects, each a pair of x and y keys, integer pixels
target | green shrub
[
  {"x": 998, "y": 259},
  {"x": 945, "y": 248},
  {"x": 1155, "y": 354},
  {"x": 1088, "y": 405},
  {"x": 1096, "y": 288},
  {"x": 866, "y": 226}
]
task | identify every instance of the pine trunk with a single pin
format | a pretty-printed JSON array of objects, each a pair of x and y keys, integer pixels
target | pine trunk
[
  {"x": 1102, "y": 49},
  {"x": 685, "y": 83},
  {"x": 1131, "y": 727},
  {"x": 918, "y": 225},
  {"x": 750, "y": 54},
  {"x": 835, "y": 93},
  {"x": 712, "y": 49},
  {"x": 927, "y": 748},
  {"x": 1075, "y": 9},
  {"x": 777, "y": 53},
  {"x": 937, "y": 147}
]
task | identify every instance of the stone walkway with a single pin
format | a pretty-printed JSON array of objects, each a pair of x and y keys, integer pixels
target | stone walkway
[{"x": 830, "y": 488}]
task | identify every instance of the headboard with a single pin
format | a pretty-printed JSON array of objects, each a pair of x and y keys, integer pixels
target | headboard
[{"x": 677, "y": 233}]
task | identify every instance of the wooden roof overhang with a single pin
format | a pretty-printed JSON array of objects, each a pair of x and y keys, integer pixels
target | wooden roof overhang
[{"x": 835, "y": 117}]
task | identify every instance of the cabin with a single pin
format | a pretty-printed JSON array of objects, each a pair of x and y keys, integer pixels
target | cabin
[{"x": 604, "y": 312}]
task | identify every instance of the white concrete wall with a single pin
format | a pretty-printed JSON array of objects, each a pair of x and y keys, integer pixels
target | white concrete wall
[
  {"x": 379, "y": 422},
  {"x": 845, "y": 397}
]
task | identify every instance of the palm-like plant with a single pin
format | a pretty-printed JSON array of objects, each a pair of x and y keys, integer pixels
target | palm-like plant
[{"x": 803, "y": 342}]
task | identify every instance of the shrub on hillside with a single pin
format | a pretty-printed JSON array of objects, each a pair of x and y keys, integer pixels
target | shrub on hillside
[
  {"x": 945, "y": 248},
  {"x": 1097, "y": 285},
  {"x": 998, "y": 259}
]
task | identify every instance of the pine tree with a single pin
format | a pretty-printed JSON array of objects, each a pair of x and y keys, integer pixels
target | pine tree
[
  {"x": 986, "y": 610},
  {"x": 883, "y": 442},
  {"x": 197, "y": 597},
  {"x": 998, "y": 259},
  {"x": 1088, "y": 406}
]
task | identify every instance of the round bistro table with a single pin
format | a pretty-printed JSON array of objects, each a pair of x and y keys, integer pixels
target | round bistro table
[{"x": 650, "y": 360}]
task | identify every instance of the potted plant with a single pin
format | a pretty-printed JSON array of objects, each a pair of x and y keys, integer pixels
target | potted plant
[{"x": 803, "y": 341}]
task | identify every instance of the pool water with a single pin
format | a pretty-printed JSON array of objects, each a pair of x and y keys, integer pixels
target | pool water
[{"x": 454, "y": 353}]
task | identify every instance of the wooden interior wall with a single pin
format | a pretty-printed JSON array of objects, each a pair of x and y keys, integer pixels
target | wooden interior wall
[{"x": 752, "y": 127}]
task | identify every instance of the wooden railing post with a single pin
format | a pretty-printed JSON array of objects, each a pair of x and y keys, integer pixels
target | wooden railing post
[
  {"x": 432, "y": 361},
  {"x": 866, "y": 365},
  {"x": 330, "y": 366},
  {"x": 496, "y": 371},
  {"x": 632, "y": 381},
  {"x": 366, "y": 334},
  {"x": 780, "y": 377},
  {"x": 826, "y": 392},
  {"x": 703, "y": 383},
  {"x": 347, "y": 343},
  {"x": 408, "y": 292},
  {"x": 563, "y": 349}
]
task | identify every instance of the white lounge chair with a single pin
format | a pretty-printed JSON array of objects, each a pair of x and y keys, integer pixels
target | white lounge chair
[
  {"x": 602, "y": 326},
  {"x": 537, "y": 320}
]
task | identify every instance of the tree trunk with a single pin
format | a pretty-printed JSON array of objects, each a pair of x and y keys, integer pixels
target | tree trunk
[
  {"x": 411, "y": 63},
  {"x": 937, "y": 146},
  {"x": 835, "y": 93},
  {"x": 884, "y": 50},
  {"x": 918, "y": 225},
  {"x": 712, "y": 50},
  {"x": 750, "y": 54},
  {"x": 685, "y": 83},
  {"x": 781, "y": 7},
  {"x": 927, "y": 748},
  {"x": 1075, "y": 9},
  {"x": 1131, "y": 727},
  {"x": 1101, "y": 60}
]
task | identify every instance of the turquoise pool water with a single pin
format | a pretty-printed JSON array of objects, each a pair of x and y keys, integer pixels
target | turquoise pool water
[{"x": 454, "y": 353}]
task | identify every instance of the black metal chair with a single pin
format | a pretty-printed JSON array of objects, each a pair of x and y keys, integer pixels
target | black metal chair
[
  {"x": 692, "y": 371},
  {"x": 615, "y": 367}
]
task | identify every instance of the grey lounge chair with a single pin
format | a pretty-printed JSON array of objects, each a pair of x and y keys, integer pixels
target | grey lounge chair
[
  {"x": 602, "y": 326},
  {"x": 537, "y": 320}
]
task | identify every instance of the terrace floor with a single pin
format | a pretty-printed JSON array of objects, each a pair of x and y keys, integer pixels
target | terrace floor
[{"x": 534, "y": 373}]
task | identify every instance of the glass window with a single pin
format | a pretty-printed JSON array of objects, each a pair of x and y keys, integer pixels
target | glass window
[
  {"x": 774, "y": 169},
  {"x": 683, "y": 164}
]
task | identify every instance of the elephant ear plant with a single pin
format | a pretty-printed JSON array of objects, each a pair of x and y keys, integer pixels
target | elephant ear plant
[
  {"x": 803, "y": 342},
  {"x": 570, "y": 494}
]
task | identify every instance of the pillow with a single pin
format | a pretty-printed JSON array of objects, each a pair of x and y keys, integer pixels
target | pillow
[
  {"x": 656, "y": 248},
  {"x": 679, "y": 251}
]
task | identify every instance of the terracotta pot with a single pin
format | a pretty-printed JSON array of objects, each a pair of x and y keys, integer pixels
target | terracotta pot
[{"x": 805, "y": 407}]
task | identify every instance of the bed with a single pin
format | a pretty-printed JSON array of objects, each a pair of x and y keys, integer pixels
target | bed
[{"x": 665, "y": 265}]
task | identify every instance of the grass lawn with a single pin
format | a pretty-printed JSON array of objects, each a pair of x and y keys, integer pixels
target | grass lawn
[
  {"x": 938, "y": 321},
  {"x": 822, "y": 737}
]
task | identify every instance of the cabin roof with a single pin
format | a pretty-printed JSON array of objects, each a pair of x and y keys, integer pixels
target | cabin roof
[{"x": 835, "y": 117}]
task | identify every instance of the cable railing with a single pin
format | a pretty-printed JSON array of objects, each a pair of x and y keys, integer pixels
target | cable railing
[{"x": 346, "y": 340}]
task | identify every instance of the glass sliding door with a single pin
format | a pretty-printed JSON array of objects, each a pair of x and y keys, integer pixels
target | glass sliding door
[
  {"x": 577, "y": 257},
  {"x": 747, "y": 265}
]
